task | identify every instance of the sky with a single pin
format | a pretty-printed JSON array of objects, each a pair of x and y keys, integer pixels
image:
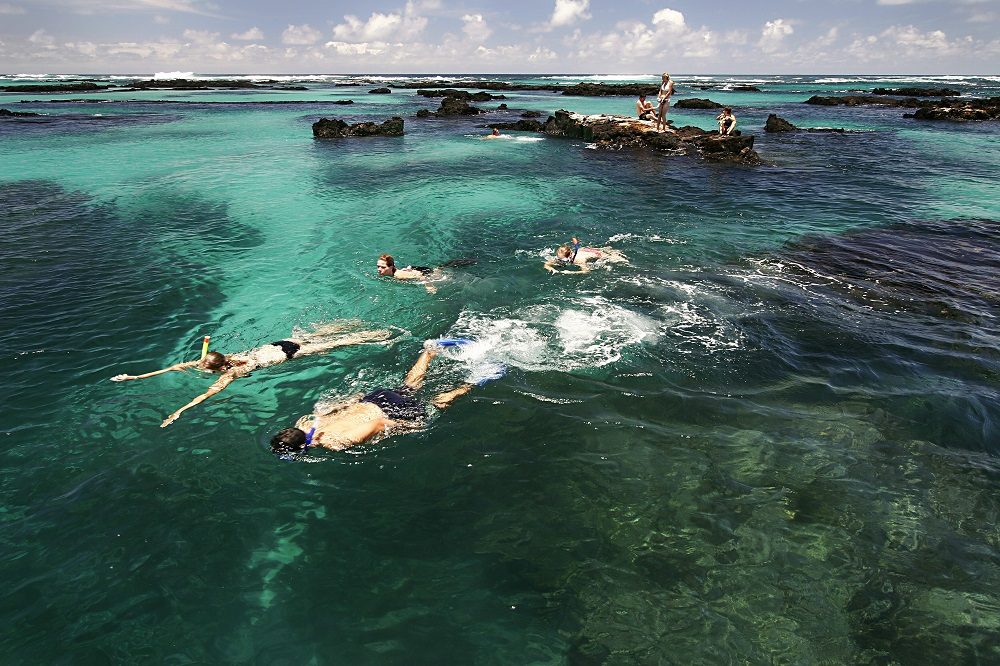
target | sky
[{"x": 494, "y": 36}]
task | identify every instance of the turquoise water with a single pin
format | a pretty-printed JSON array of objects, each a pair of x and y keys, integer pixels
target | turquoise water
[{"x": 772, "y": 437}]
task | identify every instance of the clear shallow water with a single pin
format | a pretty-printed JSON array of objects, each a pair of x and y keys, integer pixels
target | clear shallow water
[{"x": 770, "y": 438}]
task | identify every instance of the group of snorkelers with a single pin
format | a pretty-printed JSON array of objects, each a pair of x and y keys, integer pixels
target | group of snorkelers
[{"x": 361, "y": 418}]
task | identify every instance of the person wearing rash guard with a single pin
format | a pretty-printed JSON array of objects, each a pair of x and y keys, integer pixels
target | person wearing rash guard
[{"x": 234, "y": 366}]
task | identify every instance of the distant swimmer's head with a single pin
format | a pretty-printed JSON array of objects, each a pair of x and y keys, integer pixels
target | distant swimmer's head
[
  {"x": 288, "y": 442},
  {"x": 215, "y": 362},
  {"x": 385, "y": 265},
  {"x": 564, "y": 253}
]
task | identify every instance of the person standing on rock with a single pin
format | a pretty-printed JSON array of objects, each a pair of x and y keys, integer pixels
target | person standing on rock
[
  {"x": 727, "y": 122},
  {"x": 663, "y": 100}
]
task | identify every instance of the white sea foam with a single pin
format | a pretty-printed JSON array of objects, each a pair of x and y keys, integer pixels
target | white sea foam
[{"x": 590, "y": 334}]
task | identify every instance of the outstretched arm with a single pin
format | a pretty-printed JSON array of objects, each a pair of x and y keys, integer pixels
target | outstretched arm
[
  {"x": 221, "y": 383},
  {"x": 443, "y": 400},
  {"x": 179, "y": 366}
]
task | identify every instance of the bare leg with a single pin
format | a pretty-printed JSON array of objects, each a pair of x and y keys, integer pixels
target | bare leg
[
  {"x": 308, "y": 346},
  {"x": 415, "y": 377}
]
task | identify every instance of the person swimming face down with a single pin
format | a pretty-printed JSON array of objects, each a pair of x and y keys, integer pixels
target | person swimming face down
[{"x": 215, "y": 362}]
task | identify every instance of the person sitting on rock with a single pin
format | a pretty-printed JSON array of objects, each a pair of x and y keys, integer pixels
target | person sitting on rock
[
  {"x": 580, "y": 257},
  {"x": 727, "y": 122},
  {"x": 362, "y": 418},
  {"x": 644, "y": 109},
  {"x": 234, "y": 366}
]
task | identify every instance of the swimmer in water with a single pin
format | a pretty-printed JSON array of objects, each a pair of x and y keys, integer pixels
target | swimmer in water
[
  {"x": 355, "y": 421},
  {"x": 235, "y": 366},
  {"x": 581, "y": 257},
  {"x": 386, "y": 267}
]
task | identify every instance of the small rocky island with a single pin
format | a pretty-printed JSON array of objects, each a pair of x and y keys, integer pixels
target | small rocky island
[
  {"x": 326, "y": 128},
  {"x": 617, "y": 132}
]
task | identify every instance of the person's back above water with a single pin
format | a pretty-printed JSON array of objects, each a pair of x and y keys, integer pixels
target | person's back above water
[
  {"x": 386, "y": 267},
  {"x": 383, "y": 411}
]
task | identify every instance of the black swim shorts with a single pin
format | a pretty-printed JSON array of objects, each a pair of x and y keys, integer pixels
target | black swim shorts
[
  {"x": 290, "y": 348},
  {"x": 396, "y": 404}
]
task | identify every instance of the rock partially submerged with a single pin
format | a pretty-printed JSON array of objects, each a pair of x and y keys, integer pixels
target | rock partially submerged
[
  {"x": 623, "y": 132},
  {"x": 326, "y": 128},
  {"x": 55, "y": 87},
  {"x": 981, "y": 110},
  {"x": 775, "y": 124},
  {"x": 17, "y": 114},
  {"x": 697, "y": 103},
  {"x": 917, "y": 92}
]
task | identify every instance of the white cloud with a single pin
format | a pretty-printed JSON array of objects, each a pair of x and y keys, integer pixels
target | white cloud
[
  {"x": 300, "y": 35},
  {"x": 250, "y": 35},
  {"x": 404, "y": 25},
  {"x": 475, "y": 28},
  {"x": 633, "y": 41},
  {"x": 568, "y": 12},
  {"x": 773, "y": 35},
  {"x": 10, "y": 10},
  {"x": 41, "y": 38}
]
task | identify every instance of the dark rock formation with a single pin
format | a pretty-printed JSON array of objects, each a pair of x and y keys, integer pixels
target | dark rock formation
[
  {"x": 455, "y": 106},
  {"x": 776, "y": 124},
  {"x": 862, "y": 100},
  {"x": 520, "y": 126},
  {"x": 697, "y": 103},
  {"x": 618, "y": 132},
  {"x": 917, "y": 92},
  {"x": 17, "y": 114},
  {"x": 336, "y": 128},
  {"x": 460, "y": 94},
  {"x": 379, "y": 91},
  {"x": 979, "y": 110},
  {"x": 531, "y": 114},
  {"x": 342, "y": 101},
  {"x": 607, "y": 89},
  {"x": 54, "y": 87}
]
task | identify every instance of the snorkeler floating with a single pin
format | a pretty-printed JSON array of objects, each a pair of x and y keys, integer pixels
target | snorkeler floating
[
  {"x": 383, "y": 411},
  {"x": 575, "y": 255},
  {"x": 234, "y": 366},
  {"x": 386, "y": 267}
]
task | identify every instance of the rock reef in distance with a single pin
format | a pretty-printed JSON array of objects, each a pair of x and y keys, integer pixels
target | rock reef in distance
[
  {"x": 917, "y": 92},
  {"x": 326, "y": 128}
]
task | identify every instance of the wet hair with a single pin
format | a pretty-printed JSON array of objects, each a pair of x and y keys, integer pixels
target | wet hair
[
  {"x": 389, "y": 261},
  {"x": 214, "y": 361},
  {"x": 288, "y": 441}
]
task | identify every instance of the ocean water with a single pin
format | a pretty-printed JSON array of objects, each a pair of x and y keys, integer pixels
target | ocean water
[{"x": 771, "y": 437}]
